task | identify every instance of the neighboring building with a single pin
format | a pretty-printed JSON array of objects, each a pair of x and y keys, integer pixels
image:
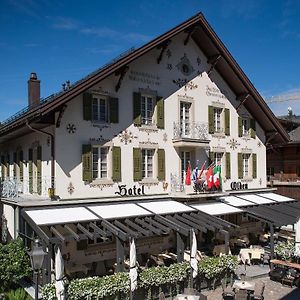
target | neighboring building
[{"x": 130, "y": 129}]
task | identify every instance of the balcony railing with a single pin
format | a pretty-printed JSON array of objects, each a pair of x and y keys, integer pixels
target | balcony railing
[
  {"x": 190, "y": 130},
  {"x": 12, "y": 187}
]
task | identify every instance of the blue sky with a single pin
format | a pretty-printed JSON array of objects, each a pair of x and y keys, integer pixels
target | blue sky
[{"x": 66, "y": 40}]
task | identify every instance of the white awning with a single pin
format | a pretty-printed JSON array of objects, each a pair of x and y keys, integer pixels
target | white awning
[
  {"x": 123, "y": 210},
  {"x": 60, "y": 215},
  {"x": 217, "y": 208},
  {"x": 256, "y": 199},
  {"x": 165, "y": 207},
  {"x": 275, "y": 197},
  {"x": 235, "y": 201}
]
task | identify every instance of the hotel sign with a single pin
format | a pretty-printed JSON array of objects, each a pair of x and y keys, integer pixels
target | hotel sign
[
  {"x": 133, "y": 191},
  {"x": 238, "y": 185}
]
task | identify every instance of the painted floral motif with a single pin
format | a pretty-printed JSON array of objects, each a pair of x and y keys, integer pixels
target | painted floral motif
[
  {"x": 71, "y": 128},
  {"x": 233, "y": 143},
  {"x": 71, "y": 188}
]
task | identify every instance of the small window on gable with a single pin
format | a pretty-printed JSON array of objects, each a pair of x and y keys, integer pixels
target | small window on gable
[
  {"x": 100, "y": 109},
  {"x": 147, "y": 109}
]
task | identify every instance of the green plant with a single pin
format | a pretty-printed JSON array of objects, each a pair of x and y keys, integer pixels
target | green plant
[
  {"x": 48, "y": 292},
  {"x": 18, "y": 294},
  {"x": 285, "y": 250},
  {"x": 14, "y": 264}
]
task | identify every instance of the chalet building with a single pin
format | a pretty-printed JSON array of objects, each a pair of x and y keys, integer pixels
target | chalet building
[{"x": 106, "y": 158}]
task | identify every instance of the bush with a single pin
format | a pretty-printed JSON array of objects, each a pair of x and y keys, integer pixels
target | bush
[
  {"x": 285, "y": 250},
  {"x": 18, "y": 294},
  {"x": 14, "y": 264}
]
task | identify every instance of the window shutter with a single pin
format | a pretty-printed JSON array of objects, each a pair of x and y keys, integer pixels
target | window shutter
[
  {"x": 160, "y": 112},
  {"x": 240, "y": 126},
  {"x": 240, "y": 165},
  {"x": 39, "y": 170},
  {"x": 211, "y": 157},
  {"x": 2, "y": 167},
  {"x": 228, "y": 166},
  {"x": 252, "y": 128},
  {"x": 30, "y": 171},
  {"x": 15, "y": 165},
  {"x": 137, "y": 164},
  {"x": 254, "y": 165},
  {"x": 21, "y": 164},
  {"x": 87, "y": 106},
  {"x": 116, "y": 162},
  {"x": 114, "y": 110},
  {"x": 161, "y": 165},
  {"x": 82, "y": 244},
  {"x": 227, "y": 121},
  {"x": 8, "y": 165},
  {"x": 211, "y": 123},
  {"x": 137, "y": 120},
  {"x": 87, "y": 173}
]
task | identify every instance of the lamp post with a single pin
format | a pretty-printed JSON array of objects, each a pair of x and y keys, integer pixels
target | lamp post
[{"x": 37, "y": 256}]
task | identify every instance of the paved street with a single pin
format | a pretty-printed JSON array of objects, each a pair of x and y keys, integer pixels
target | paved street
[{"x": 273, "y": 291}]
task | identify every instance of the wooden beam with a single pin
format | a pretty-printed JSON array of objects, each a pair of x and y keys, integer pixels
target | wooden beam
[
  {"x": 126, "y": 229},
  {"x": 242, "y": 98},
  {"x": 190, "y": 223},
  {"x": 57, "y": 234},
  {"x": 163, "y": 48},
  {"x": 98, "y": 229},
  {"x": 85, "y": 231},
  {"x": 197, "y": 221},
  {"x": 60, "y": 115},
  {"x": 137, "y": 227},
  {"x": 158, "y": 225},
  {"x": 120, "y": 254},
  {"x": 189, "y": 33},
  {"x": 114, "y": 230},
  {"x": 72, "y": 232},
  {"x": 213, "y": 60},
  {"x": 149, "y": 226},
  {"x": 122, "y": 73},
  {"x": 180, "y": 223},
  {"x": 173, "y": 225}
]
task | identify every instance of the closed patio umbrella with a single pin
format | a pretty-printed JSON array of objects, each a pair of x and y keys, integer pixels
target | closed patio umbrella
[
  {"x": 59, "y": 274},
  {"x": 133, "y": 269},
  {"x": 193, "y": 260}
]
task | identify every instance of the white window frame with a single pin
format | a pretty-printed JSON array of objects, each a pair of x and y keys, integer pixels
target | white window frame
[
  {"x": 148, "y": 163},
  {"x": 185, "y": 109},
  {"x": 218, "y": 120},
  {"x": 147, "y": 116},
  {"x": 96, "y": 115},
  {"x": 102, "y": 166},
  {"x": 247, "y": 171},
  {"x": 245, "y": 126},
  {"x": 219, "y": 158},
  {"x": 185, "y": 158}
]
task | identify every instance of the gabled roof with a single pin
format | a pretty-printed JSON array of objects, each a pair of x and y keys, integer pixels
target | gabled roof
[{"x": 200, "y": 31}]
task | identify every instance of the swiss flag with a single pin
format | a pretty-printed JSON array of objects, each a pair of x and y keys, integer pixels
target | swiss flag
[
  {"x": 188, "y": 175},
  {"x": 209, "y": 178}
]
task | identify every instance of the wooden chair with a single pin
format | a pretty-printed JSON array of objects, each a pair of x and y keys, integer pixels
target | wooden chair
[
  {"x": 289, "y": 277},
  {"x": 259, "y": 288},
  {"x": 241, "y": 295}
]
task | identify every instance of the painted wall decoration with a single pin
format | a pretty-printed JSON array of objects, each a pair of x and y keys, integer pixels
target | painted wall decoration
[
  {"x": 169, "y": 67},
  {"x": 215, "y": 92},
  {"x": 185, "y": 66},
  {"x": 71, "y": 128},
  {"x": 144, "y": 77},
  {"x": 126, "y": 136},
  {"x": 184, "y": 82},
  {"x": 233, "y": 144},
  {"x": 169, "y": 53},
  {"x": 71, "y": 188}
]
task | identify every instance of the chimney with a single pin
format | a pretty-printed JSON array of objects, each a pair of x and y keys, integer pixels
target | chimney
[{"x": 33, "y": 90}]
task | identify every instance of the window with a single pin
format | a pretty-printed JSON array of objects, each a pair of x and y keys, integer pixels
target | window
[
  {"x": 147, "y": 109},
  {"x": 246, "y": 165},
  {"x": 185, "y": 121},
  {"x": 100, "y": 162},
  {"x": 218, "y": 158},
  {"x": 185, "y": 157},
  {"x": 245, "y": 127},
  {"x": 147, "y": 163},
  {"x": 99, "y": 109},
  {"x": 217, "y": 119}
]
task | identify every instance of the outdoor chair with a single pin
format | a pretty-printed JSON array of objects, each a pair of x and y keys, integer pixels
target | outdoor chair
[
  {"x": 228, "y": 292},
  {"x": 289, "y": 277},
  {"x": 259, "y": 288},
  {"x": 241, "y": 295}
]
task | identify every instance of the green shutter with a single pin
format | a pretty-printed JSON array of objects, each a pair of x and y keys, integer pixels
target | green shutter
[
  {"x": 240, "y": 126},
  {"x": 39, "y": 170},
  {"x": 21, "y": 164},
  {"x": 87, "y": 173},
  {"x": 114, "y": 110},
  {"x": 228, "y": 166},
  {"x": 116, "y": 162},
  {"x": 137, "y": 164},
  {"x": 160, "y": 112},
  {"x": 252, "y": 128},
  {"x": 30, "y": 170},
  {"x": 161, "y": 167},
  {"x": 82, "y": 244},
  {"x": 87, "y": 106},
  {"x": 254, "y": 165},
  {"x": 227, "y": 121},
  {"x": 211, "y": 123},
  {"x": 15, "y": 165},
  {"x": 137, "y": 119},
  {"x": 240, "y": 165}
]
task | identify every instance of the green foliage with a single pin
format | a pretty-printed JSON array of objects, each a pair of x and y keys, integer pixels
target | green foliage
[
  {"x": 14, "y": 264},
  {"x": 48, "y": 292},
  {"x": 285, "y": 250},
  {"x": 18, "y": 294}
]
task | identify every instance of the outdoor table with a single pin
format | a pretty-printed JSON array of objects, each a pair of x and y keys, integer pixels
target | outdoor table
[
  {"x": 244, "y": 256},
  {"x": 243, "y": 285},
  {"x": 74, "y": 268},
  {"x": 220, "y": 250}
]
